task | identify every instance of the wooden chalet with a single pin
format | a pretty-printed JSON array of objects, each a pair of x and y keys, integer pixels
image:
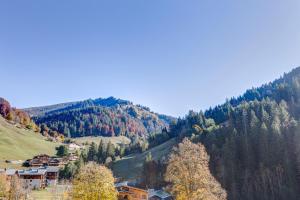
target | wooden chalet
[
  {"x": 33, "y": 178},
  {"x": 52, "y": 175},
  {"x": 44, "y": 160},
  {"x": 127, "y": 192}
]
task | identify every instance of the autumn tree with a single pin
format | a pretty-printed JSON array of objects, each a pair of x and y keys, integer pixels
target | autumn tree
[
  {"x": 94, "y": 182},
  {"x": 189, "y": 174},
  {"x": 17, "y": 191},
  {"x": 4, "y": 107},
  {"x": 4, "y": 186},
  {"x": 153, "y": 173}
]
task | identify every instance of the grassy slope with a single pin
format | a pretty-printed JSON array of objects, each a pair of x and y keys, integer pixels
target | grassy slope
[
  {"x": 114, "y": 140},
  {"x": 49, "y": 193},
  {"x": 130, "y": 167},
  {"x": 20, "y": 144}
]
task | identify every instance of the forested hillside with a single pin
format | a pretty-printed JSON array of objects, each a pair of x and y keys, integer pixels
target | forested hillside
[
  {"x": 253, "y": 140},
  {"x": 285, "y": 88},
  {"x": 100, "y": 117}
]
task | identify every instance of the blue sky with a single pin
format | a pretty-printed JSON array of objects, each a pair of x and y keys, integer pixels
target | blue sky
[{"x": 170, "y": 55}]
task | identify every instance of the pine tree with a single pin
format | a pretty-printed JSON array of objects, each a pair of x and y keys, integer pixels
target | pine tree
[
  {"x": 92, "y": 154},
  {"x": 101, "y": 152},
  {"x": 62, "y": 151},
  {"x": 110, "y": 151}
]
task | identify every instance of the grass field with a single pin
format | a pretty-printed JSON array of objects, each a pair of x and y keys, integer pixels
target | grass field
[
  {"x": 21, "y": 144},
  {"x": 57, "y": 193},
  {"x": 130, "y": 167},
  {"x": 114, "y": 140},
  {"x": 41, "y": 195}
]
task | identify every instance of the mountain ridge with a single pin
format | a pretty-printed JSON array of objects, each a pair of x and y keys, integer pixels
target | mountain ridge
[{"x": 100, "y": 117}]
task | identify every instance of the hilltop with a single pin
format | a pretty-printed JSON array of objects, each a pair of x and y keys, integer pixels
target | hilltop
[{"x": 100, "y": 117}]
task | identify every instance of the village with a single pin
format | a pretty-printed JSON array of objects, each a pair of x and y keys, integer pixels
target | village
[{"x": 42, "y": 172}]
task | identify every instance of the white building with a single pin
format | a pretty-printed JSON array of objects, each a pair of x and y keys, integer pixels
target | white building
[{"x": 74, "y": 147}]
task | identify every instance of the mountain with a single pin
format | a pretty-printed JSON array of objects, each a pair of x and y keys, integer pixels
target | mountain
[
  {"x": 253, "y": 140},
  {"x": 100, "y": 117}
]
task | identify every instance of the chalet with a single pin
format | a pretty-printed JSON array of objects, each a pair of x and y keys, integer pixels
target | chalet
[
  {"x": 52, "y": 174},
  {"x": 74, "y": 147},
  {"x": 159, "y": 195},
  {"x": 39, "y": 161},
  {"x": 127, "y": 192},
  {"x": 44, "y": 160},
  {"x": 33, "y": 178},
  {"x": 55, "y": 162},
  {"x": 72, "y": 157}
]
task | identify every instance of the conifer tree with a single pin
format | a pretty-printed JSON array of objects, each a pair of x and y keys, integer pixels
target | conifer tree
[
  {"x": 110, "y": 151},
  {"x": 92, "y": 154},
  {"x": 101, "y": 152}
]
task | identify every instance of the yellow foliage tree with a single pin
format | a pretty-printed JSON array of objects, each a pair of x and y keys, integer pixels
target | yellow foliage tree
[
  {"x": 94, "y": 182},
  {"x": 16, "y": 190},
  {"x": 4, "y": 186},
  {"x": 189, "y": 174},
  {"x": 10, "y": 116}
]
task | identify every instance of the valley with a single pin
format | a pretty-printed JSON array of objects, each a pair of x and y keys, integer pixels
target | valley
[{"x": 248, "y": 141}]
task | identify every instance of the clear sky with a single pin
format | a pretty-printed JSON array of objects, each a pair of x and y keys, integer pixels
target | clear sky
[{"x": 170, "y": 55}]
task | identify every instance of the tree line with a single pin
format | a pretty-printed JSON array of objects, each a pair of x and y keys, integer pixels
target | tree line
[{"x": 253, "y": 140}]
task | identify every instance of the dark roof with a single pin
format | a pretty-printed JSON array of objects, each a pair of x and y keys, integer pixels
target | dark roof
[
  {"x": 52, "y": 169},
  {"x": 159, "y": 193},
  {"x": 32, "y": 172}
]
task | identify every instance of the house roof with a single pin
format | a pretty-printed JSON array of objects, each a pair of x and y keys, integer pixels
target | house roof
[
  {"x": 50, "y": 169},
  {"x": 73, "y": 145},
  {"x": 10, "y": 172},
  {"x": 127, "y": 184},
  {"x": 32, "y": 172},
  {"x": 159, "y": 193},
  {"x": 121, "y": 184}
]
